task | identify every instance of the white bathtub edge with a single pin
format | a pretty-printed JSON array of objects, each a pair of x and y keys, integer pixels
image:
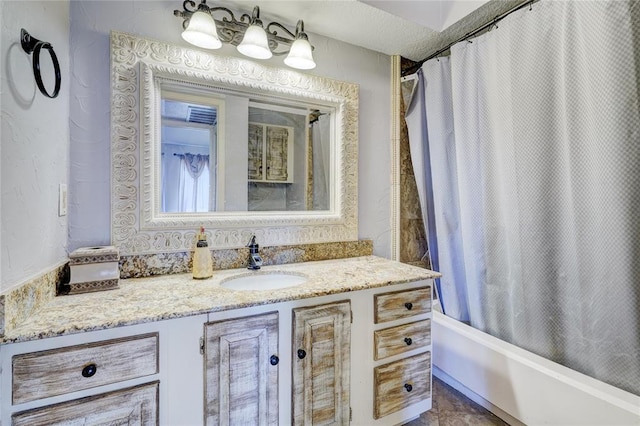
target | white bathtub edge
[{"x": 495, "y": 371}]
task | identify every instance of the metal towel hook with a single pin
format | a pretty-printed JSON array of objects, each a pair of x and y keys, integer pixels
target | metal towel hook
[{"x": 33, "y": 45}]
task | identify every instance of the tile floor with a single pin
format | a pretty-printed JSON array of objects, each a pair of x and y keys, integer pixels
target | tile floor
[{"x": 451, "y": 408}]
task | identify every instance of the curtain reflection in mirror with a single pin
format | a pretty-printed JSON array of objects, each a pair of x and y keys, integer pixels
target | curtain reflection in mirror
[
  {"x": 186, "y": 181},
  {"x": 193, "y": 184},
  {"x": 321, "y": 140}
]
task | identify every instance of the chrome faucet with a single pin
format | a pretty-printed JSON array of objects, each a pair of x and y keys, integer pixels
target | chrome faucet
[{"x": 255, "y": 261}]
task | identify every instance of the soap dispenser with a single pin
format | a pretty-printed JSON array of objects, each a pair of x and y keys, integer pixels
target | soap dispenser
[{"x": 202, "y": 263}]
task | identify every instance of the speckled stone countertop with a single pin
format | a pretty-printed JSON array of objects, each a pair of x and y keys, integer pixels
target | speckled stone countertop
[{"x": 141, "y": 300}]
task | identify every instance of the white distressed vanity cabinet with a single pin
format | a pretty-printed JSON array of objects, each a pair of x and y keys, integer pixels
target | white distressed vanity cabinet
[
  {"x": 360, "y": 357},
  {"x": 242, "y": 367},
  {"x": 124, "y": 375}
]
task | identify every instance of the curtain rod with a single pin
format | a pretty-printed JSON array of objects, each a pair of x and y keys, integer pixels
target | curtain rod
[{"x": 470, "y": 34}]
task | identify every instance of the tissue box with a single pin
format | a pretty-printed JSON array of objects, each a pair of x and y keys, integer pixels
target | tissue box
[{"x": 94, "y": 269}]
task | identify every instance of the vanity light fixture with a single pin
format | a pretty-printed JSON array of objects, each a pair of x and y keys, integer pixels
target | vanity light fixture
[{"x": 252, "y": 39}]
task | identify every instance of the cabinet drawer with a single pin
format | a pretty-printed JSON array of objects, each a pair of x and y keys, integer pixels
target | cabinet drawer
[
  {"x": 55, "y": 372},
  {"x": 133, "y": 406},
  {"x": 402, "y": 383},
  {"x": 400, "y": 339},
  {"x": 401, "y": 304}
]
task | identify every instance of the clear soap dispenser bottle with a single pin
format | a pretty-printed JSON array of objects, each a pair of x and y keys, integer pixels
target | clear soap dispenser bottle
[{"x": 202, "y": 262}]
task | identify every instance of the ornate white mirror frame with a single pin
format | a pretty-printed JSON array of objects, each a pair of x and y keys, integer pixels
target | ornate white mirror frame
[{"x": 136, "y": 226}]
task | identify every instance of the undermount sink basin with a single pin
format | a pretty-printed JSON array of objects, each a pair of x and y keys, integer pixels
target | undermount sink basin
[{"x": 264, "y": 281}]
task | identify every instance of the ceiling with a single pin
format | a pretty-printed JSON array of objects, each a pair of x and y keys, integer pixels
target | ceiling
[{"x": 393, "y": 27}]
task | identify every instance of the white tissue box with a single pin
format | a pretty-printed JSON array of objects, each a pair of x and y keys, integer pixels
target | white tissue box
[{"x": 94, "y": 269}]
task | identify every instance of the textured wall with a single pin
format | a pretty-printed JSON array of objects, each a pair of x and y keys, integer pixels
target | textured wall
[
  {"x": 35, "y": 142},
  {"x": 413, "y": 240},
  {"x": 90, "y": 152}
]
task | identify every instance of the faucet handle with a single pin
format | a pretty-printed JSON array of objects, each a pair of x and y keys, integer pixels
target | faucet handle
[{"x": 255, "y": 261}]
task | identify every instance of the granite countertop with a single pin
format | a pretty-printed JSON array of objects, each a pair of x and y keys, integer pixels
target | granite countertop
[{"x": 142, "y": 300}]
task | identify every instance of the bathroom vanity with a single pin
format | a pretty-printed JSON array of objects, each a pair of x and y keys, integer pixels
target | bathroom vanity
[
  {"x": 349, "y": 344},
  {"x": 330, "y": 342}
]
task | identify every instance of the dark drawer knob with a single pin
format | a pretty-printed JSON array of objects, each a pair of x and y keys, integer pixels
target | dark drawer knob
[
  {"x": 89, "y": 370},
  {"x": 302, "y": 353},
  {"x": 408, "y": 387},
  {"x": 408, "y": 305},
  {"x": 408, "y": 341},
  {"x": 274, "y": 360}
]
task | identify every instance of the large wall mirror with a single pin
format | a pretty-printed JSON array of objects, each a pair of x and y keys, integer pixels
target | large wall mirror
[
  {"x": 227, "y": 143},
  {"x": 275, "y": 156}
]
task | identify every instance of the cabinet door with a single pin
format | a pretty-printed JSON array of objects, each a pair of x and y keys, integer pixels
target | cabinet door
[
  {"x": 241, "y": 369},
  {"x": 132, "y": 406},
  {"x": 321, "y": 362},
  {"x": 277, "y": 153}
]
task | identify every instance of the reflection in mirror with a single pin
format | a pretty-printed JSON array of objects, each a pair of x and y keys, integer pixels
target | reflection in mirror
[
  {"x": 276, "y": 158},
  {"x": 281, "y": 174},
  {"x": 188, "y": 150},
  {"x": 320, "y": 140}
]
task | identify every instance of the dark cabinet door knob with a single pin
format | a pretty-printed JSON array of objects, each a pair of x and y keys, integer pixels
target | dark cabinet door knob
[
  {"x": 408, "y": 341},
  {"x": 408, "y": 305},
  {"x": 302, "y": 353},
  {"x": 408, "y": 387},
  {"x": 89, "y": 370},
  {"x": 274, "y": 360}
]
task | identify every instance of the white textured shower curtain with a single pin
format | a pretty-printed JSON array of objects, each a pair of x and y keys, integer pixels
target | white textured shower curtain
[{"x": 533, "y": 154}]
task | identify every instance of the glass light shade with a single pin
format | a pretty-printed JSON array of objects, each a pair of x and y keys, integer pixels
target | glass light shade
[
  {"x": 300, "y": 55},
  {"x": 202, "y": 31},
  {"x": 255, "y": 43}
]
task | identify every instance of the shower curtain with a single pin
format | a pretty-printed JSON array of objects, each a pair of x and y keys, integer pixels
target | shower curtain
[{"x": 529, "y": 137}]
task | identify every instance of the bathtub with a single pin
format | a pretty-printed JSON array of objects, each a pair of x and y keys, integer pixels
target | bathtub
[{"x": 521, "y": 387}]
